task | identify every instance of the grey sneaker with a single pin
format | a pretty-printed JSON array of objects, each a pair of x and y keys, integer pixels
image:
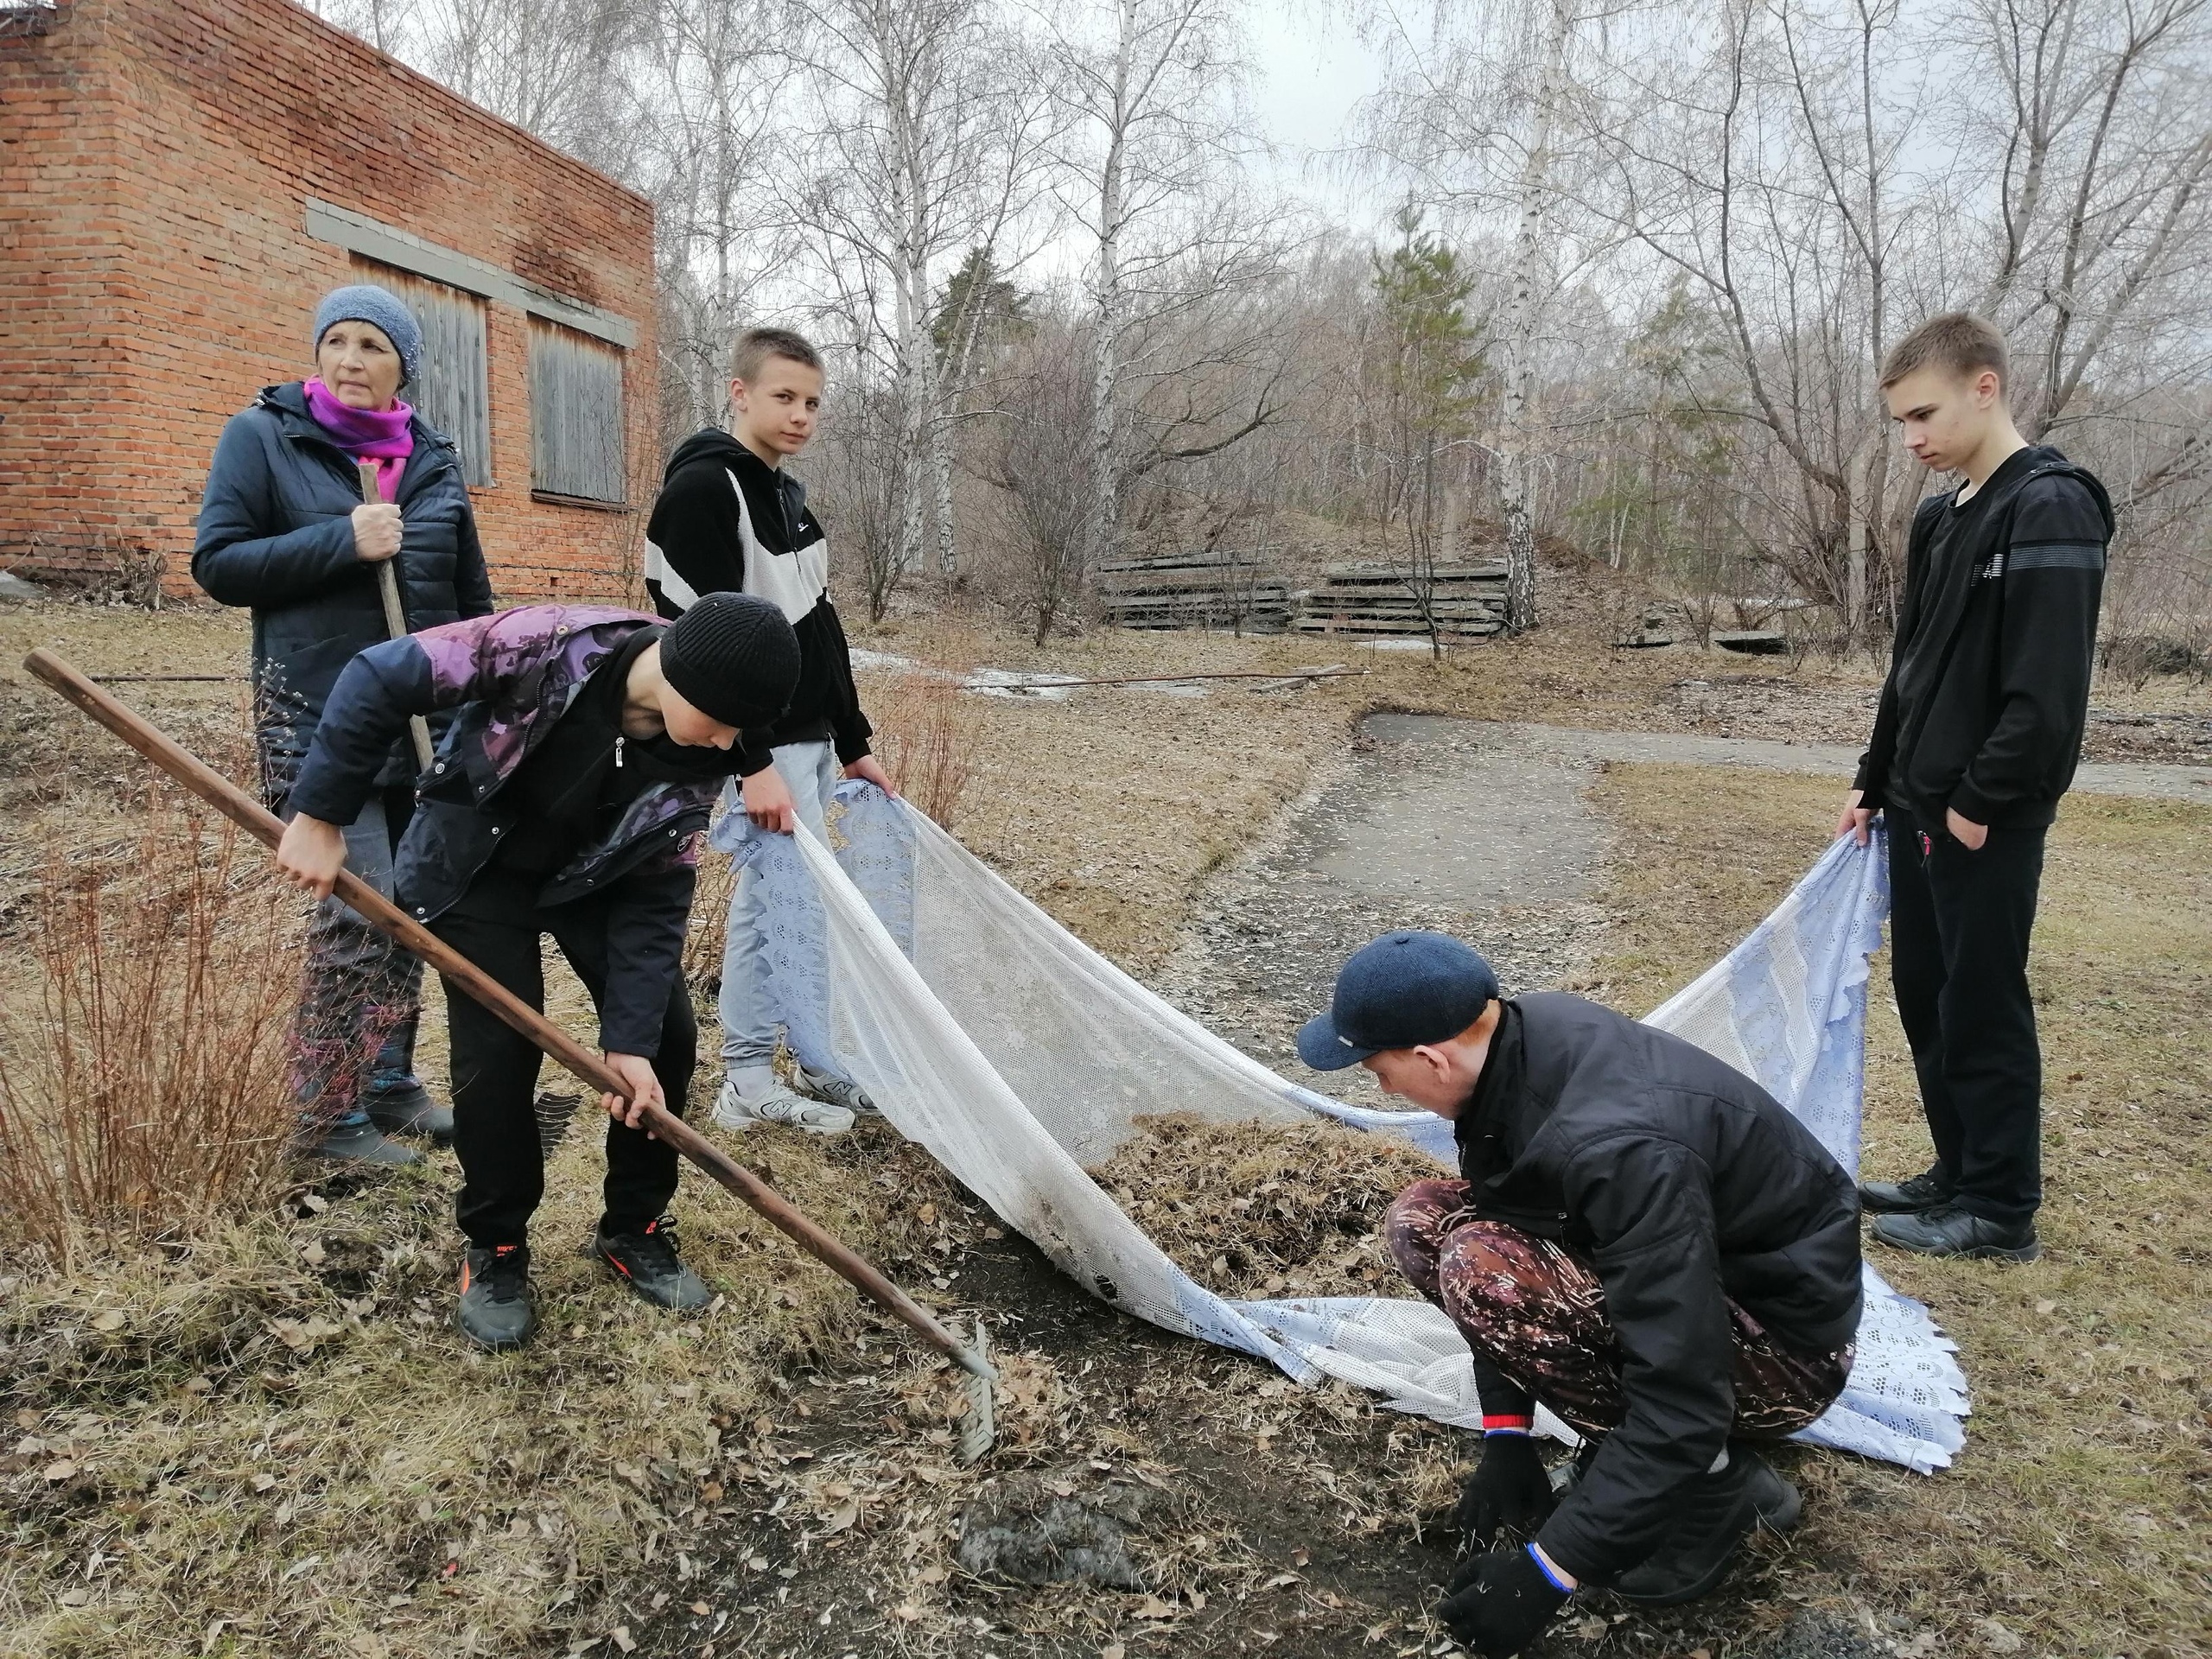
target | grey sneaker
[
  {"x": 836, "y": 1091},
  {"x": 648, "y": 1262},
  {"x": 496, "y": 1312},
  {"x": 777, "y": 1104},
  {"x": 356, "y": 1143}
]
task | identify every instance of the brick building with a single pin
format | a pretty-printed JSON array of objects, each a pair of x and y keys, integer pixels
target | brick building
[{"x": 182, "y": 179}]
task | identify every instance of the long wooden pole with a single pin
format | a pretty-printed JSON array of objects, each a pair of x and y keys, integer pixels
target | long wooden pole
[
  {"x": 257, "y": 820},
  {"x": 395, "y": 615}
]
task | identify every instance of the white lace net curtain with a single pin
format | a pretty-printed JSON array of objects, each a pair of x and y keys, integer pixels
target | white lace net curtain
[{"x": 1018, "y": 1055}]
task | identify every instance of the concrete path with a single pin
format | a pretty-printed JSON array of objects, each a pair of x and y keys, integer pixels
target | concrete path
[
  {"x": 1479, "y": 828},
  {"x": 2144, "y": 779}
]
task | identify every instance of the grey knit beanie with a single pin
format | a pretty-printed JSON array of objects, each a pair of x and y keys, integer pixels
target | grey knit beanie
[
  {"x": 734, "y": 657},
  {"x": 366, "y": 302}
]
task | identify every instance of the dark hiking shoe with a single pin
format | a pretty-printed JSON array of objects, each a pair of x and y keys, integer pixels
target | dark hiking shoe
[
  {"x": 356, "y": 1143},
  {"x": 1953, "y": 1231},
  {"x": 1711, "y": 1522},
  {"x": 1926, "y": 1191},
  {"x": 496, "y": 1312},
  {"x": 648, "y": 1260},
  {"x": 407, "y": 1108}
]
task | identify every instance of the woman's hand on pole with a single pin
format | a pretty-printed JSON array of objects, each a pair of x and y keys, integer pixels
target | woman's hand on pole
[
  {"x": 636, "y": 1075},
  {"x": 376, "y": 531},
  {"x": 311, "y": 854}
]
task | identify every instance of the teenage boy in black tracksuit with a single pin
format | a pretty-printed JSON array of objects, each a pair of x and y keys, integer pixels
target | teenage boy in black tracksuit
[
  {"x": 1641, "y": 1238},
  {"x": 587, "y": 747},
  {"x": 1975, "y": 738}
]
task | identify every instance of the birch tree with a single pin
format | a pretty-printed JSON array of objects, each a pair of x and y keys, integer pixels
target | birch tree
[
  {"x": 1146, "y": 88},
  {"x": 933, "y": 128},
  {"x": 708, "y": 131}
]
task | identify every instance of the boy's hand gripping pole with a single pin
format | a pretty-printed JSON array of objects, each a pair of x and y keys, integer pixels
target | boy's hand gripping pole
[
  {"x": 257, "y": 820},
  {"x": 395, "y": 616}
]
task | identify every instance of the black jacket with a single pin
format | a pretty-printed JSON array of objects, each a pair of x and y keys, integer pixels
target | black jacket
[
  {"x": 1988, "y": 687},
  {"x": 275, "y": 532},
  {"x": 726, "y": 522},
  {"x": 1688, "y": 1186}
]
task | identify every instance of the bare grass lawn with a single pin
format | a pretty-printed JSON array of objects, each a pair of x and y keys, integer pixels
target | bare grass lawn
[{"x": 2079, "y": 1517}]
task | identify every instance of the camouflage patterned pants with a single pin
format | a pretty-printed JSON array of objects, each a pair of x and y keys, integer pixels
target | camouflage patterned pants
[{"x": 1537, "y": 1311}]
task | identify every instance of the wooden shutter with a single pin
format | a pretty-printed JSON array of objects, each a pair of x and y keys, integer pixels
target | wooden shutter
[
  {"x": 452, "y": 391},
  {"x": 576, "y": 415}
]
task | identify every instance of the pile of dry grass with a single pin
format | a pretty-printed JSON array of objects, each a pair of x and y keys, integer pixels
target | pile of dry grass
[
  {"x": 1266, "y": 1209},
  {"x": 143, "y": 1087}
]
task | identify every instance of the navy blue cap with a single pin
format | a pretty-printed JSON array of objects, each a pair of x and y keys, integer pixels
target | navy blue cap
[{"x": 1400, "y": 991}]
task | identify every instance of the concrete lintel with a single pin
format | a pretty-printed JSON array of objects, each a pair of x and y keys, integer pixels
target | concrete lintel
[{"x": 388, "y": 245}]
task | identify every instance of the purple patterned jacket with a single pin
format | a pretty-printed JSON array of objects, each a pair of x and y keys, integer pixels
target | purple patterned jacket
[{"x": 510, "y": 677}]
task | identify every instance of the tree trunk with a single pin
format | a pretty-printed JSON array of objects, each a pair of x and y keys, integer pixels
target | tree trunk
[
  {"x": 1103, "y": 528},
  {"x": 1520, "y": 341}
]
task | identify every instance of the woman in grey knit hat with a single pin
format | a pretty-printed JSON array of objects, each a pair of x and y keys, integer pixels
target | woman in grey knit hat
[{"x": 284, "y": 529}]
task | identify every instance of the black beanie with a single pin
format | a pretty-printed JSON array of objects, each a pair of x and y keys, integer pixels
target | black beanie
[{"x": 734, "y": 657}]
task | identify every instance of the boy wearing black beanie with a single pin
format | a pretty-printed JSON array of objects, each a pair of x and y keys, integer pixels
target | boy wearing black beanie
[{"x": 587, "y": 747}]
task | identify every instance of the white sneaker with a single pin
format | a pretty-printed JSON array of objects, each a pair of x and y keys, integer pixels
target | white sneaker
[
  {"x": 777, "y": 1104},
  {"x": 837, "y": 1091}
]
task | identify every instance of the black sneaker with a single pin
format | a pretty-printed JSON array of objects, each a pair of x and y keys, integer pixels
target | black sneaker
[
  {"x": 1930, "y": 1189},
  {"x": 356, "y": 1143},
  {"x": 1711, "y": 1522},
  {"x": 648, "y": 1260},
  {"x": 1956, "y": 1232},
  {"x": 407, "y": 1108},
  {"x": 496, "y": 1311}
]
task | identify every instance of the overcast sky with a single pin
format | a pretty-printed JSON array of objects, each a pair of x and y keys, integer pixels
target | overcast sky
[{"x": 1312, "y": 70}]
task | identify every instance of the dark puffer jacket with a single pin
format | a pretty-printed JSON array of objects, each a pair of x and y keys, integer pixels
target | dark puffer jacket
[{"x": 275, "y": 533}]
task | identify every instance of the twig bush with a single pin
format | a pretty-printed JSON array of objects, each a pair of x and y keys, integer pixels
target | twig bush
[
  {"x": 143, "y": 1080},
  {"x": 926, "y": 733}
]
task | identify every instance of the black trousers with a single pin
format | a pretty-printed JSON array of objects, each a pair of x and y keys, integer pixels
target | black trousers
[
  {"x": 496, "y": 925},
  {"x": 1959, "y": 927}
]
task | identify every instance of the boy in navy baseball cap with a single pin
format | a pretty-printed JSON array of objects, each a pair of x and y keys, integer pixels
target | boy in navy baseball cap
[{"x": 1641, "y": 1238}]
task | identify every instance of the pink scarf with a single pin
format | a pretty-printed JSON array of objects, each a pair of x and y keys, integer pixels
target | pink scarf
[{"x": 381, "y": 436}]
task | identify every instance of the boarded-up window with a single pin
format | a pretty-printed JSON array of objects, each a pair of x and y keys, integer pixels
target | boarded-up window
[
  {"x": 452, "y": 391},
  {"x": 576, "y": 415}
]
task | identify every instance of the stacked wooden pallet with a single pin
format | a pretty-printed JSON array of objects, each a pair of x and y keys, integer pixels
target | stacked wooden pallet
[
  {"x": 1195, "y": 591},
  {"x": 1464, "y": 598}
]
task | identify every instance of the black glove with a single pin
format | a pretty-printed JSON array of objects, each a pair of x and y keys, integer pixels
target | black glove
[
  {"x": 1499, "y": 1602},
  {"x": 1508, "y": 1487}
]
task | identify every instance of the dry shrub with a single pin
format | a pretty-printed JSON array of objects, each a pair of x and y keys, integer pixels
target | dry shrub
[
  {"x": 925, "y": 736},
  {"x": 1266, "y": 1209},
  {"x": 144, "y": 1086},
  {"x": 710, "y": 924}
]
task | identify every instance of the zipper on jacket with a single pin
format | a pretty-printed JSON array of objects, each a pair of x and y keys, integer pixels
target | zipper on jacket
[{"x": 618, "y": 740}]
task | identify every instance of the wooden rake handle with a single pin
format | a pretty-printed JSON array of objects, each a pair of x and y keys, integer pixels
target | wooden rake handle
[
  {"x": 395, "y": 614},
  {"x": 257, "y": 820}
]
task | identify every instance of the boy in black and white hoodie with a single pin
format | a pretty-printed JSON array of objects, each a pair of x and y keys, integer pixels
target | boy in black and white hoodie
[{"x": 728, "y": 518}]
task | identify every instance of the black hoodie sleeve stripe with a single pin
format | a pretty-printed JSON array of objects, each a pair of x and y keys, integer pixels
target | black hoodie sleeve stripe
[{"x": 2046, "y": 649}]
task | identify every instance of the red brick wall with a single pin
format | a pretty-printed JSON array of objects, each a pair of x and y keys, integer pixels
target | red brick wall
[{"x": 154, "y": 216}]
